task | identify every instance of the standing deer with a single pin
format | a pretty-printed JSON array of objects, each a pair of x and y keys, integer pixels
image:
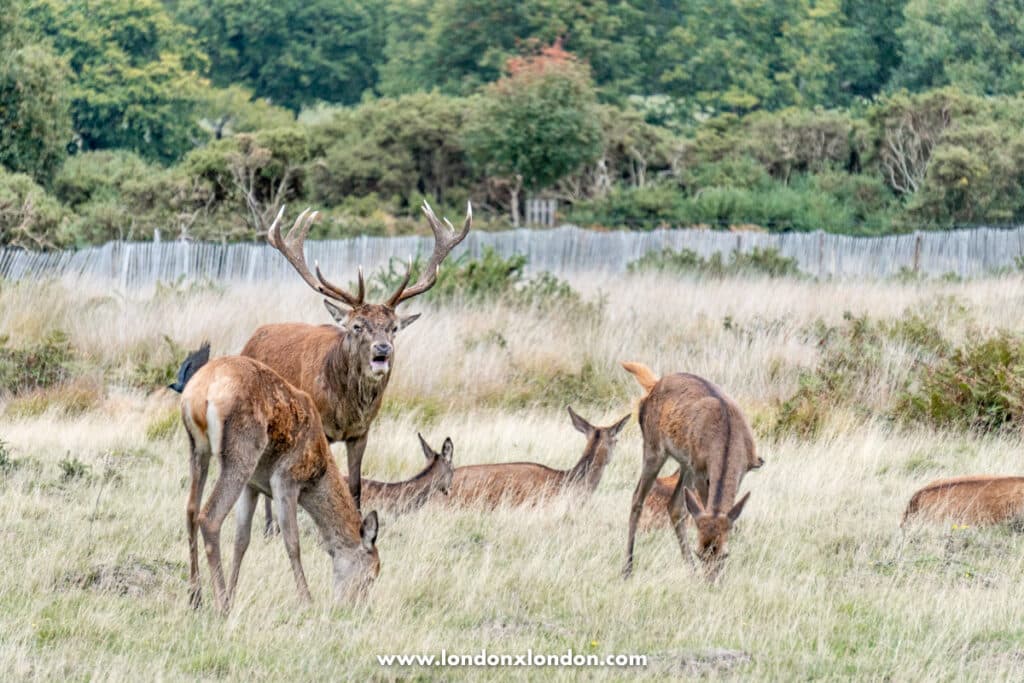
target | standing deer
[
  {"x": 523, "y": 483},
  {"x": 971, "y": 500},
  {"x": 345, "y": 367},
  {"x": 268, "y": 439},
  {"x": 692, "y": 421},
  {"x": 412, "y": 494}
]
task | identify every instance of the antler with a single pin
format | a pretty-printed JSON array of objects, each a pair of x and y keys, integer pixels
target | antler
[
  {"x": 445, "y": 239},
  {"x": 291, "y": 247}
]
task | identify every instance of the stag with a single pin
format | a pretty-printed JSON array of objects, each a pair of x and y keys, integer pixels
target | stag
[{"x": 345, "y": 367}]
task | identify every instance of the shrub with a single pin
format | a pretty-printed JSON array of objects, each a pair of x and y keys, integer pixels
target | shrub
[
  {"x": 978, "y": 386},
  {"x": 163, "y": 426},
  {"x": 488, "y": 278},
  {"x": 686, "y": 261},
  {"x": 35, "y": 366},
  {"x": 29, "y": 217},
  {"x": 639, "y": 208}
]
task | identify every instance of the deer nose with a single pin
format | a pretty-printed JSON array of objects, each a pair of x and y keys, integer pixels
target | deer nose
[{"x": 382, "y": 349}]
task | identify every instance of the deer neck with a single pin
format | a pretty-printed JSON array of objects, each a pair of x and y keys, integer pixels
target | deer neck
[
  {"x": 356, "y": 395},
  {"x": 411, "y": 493},
  {"x": 587, "y": 472},
  {"x": 724, "y": 474},
  {"x": 332, "y": 509}
]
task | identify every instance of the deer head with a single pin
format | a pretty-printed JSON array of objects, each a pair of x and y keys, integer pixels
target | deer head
[
  {"x": 354, "y": 569},
  {"x": 443, "y": 460},
  {"x": 369, "y": 328},
  {"x": 712, "y": 531}
]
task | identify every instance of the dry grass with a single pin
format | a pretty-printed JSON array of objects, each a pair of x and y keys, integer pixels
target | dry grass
[{"x": 819, "y": 584}]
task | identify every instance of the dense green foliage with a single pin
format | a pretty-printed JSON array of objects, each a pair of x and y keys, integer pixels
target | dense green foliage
[{"x": 855, "y": 117}]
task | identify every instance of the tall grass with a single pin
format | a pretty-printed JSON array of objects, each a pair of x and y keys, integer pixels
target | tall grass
[{"x": 819, "y": 584}]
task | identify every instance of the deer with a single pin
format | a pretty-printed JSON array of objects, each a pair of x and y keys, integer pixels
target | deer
[
  {"x": 980, "y": 500},
  {"x": 525, "y": 483},
  {"x": 268, "y": 439},
  {"x": 689, "y": 419},
  {"x": 655, "y": 514},
  {"x": 345, "y": 367},
  {"x": 410, "y": 495}
]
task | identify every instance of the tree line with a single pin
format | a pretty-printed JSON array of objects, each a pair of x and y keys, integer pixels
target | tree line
[{"x": 201, "y": 117}]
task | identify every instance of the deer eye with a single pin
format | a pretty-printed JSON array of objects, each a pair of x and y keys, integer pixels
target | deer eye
[{"x": 357, "y": 327}]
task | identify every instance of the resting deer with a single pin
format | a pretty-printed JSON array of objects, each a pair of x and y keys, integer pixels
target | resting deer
[
  {"x": 970, "y": 500},
  {"x": 344, "y": 367},
  {"x": 523, "y": 483},
  {"x": 692, "y": 421},
  {"x": 655, "y": 514},
  {"x": 412, "y": 494},
  {"x": 268, "y": 439}
]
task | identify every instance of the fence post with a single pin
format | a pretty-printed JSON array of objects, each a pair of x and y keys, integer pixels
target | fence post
[
  {"x": 917, "y": 251},
  {"x": 821, "y": 253}
]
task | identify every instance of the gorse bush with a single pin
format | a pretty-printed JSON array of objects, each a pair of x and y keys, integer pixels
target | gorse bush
[
  {"x": 979, "y": 386},
  {"x": 488, "y": 278},
  {"x": 758, "y": 261},
  {"x": 36, "y": 366}
]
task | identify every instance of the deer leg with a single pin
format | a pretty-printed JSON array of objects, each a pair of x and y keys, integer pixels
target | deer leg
[
  {"x": 651, "y": 467},
  {"x": 678, "y": 517},
  {"x": 270, "y": 526},
  {"x": 354, "y": 449},
  {"x": 226, "y": 491},
  {"x": 287, "y": 496},
  {"x": 199, "y": 462},
  {"x": 245, "y": 509}
]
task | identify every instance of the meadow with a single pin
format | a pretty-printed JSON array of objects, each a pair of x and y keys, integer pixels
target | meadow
[{"x": 820, "y": 583}]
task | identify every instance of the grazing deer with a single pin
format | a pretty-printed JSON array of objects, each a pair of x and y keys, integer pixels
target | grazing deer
[
  {"x": 970, "y": 500},
  {"x": 523, "y": 483},
  {"x": 412, "y": 494},
  {"x": 692, "y": 421},
  {"x": 268, "y": 439},
  {"x": 344, "y": 367}
]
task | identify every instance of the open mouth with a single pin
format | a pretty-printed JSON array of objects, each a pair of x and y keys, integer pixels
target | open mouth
[{"x": 380, "y": 363}]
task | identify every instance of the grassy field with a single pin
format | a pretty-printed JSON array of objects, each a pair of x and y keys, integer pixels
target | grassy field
[{"x": 820, "y": 582}]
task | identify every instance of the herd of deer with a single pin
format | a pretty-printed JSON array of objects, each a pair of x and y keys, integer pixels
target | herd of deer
[{"x": 270, "y": 414}]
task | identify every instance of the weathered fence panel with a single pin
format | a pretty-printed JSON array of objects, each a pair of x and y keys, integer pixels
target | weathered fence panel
[{"x": 568, "y": 249}]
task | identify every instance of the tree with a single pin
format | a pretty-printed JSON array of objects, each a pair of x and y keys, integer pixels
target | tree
[
  {"x": 975, "y": 45},
  {"x": 35, "y": 120},
  {"x": 135, "y": 84},
  {"x": 291, "y": 52},
  {"x": 537, "y": 124}
]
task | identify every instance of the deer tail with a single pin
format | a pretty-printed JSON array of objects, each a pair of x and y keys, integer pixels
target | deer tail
[
  {"x": 643, "y": 374},
  {"x": 190, "y": 366}
]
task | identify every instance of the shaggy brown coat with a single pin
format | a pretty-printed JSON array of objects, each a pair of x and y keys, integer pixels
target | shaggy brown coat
[{"x": 968, "y": 500}]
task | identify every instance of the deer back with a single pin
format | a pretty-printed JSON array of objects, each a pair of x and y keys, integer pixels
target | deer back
[{"x": 971, "y": 500}]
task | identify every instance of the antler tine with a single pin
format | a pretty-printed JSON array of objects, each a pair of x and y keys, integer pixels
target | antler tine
[
  {"x": 290, "y": 246},
  {"x": 394, "y": 299},
  {"x": 445, "y": 239}
]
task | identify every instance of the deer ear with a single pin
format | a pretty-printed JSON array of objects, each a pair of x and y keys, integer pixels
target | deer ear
[
  {"x": 617, "y": 427},
  {"x": 693, "y": 504},
  {"x": 428, "y": 452},
  {"x": 578, "y": 422},
  {"x": 338, "y": 313},
  {"x": 407, "y": 320},
  {"x": 447, "y": 450},
  {"x": 368, "y": 531},
  {"x": 734, "y": 513}
]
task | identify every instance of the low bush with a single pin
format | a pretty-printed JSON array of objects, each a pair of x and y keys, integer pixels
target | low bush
[
  {"x": 36, "y": 366},
  {"x": 486, "y": 279},
  {"x": 758, "y": 261},
  {"x": 979, "y": 386}
]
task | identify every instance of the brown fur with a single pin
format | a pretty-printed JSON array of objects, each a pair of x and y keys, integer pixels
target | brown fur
[
  {"x": 268, "y": 438},
  {"x": 692, "y": 421},
  {"x": 526, "y": 483},
  {"x": 655, "y": 514},
  {"x": 412, "y": 494},
  {"x": 977, "y": 500}
]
